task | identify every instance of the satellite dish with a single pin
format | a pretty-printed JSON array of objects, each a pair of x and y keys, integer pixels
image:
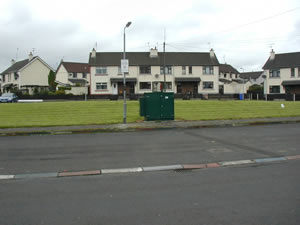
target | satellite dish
[{"x": 156, "y": 75}]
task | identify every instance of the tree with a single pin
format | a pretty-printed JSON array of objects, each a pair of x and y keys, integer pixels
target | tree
[
  {"x": 51, "y": 81},
  {"x": 256, "y": 89}
]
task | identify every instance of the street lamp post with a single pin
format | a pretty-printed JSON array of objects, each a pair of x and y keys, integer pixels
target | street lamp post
[{"x": 124, "y": 78}]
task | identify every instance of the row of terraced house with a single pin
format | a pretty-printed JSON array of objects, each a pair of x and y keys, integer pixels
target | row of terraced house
[{"x": 186, "y": 73}]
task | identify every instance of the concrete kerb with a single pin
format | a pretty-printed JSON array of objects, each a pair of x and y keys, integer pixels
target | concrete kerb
[
  {"x": 35, "y": 175},
  {"x": 148, "y": 169},
  {"x": 122, "y": 170},
  {"x": 7, "y": 177},
  {"x": 162, "y": 168},
  {"x": 264, "y": 160}
]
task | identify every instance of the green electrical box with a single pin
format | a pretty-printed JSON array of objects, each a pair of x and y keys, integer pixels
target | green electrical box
[{"x": 157, "y": 106}]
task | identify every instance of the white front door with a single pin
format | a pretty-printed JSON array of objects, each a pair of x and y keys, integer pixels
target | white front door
[{"x": 115, "y": 89}]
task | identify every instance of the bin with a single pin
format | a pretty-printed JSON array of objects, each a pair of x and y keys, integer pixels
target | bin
[{"x": 241, "y": 96}]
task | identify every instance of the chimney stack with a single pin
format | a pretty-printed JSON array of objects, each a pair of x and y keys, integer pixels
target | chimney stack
[
  {"x": 212, "y": 53},
  {"x": 93, "y": 55},
  {"x": 272, "y": 55},
  {"x": 13, "y": 62},
  {"x": 153, "y": 53},
  {"x": 30, "y": 56}
]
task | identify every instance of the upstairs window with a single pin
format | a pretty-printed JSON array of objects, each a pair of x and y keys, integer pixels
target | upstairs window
[
  {"x": 16, "y": 75},
  {"x": 274, "y": 73},
  {"x": 292, "y": 72},
  {"x": 168, "y": 70},
  {"x": 208, "y": 70},
  {"x": 83, "y": 75},
  {"x": 101, "y": 70},
  {"x": 184, "y": 70},
  {"x": 190, "y": 70},
  {"x": 74, "y": 75},
  {"x": 145, "y": 69}
]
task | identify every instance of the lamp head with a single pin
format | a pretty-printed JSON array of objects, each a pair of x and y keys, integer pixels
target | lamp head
[{"x": 128, "y": 24}]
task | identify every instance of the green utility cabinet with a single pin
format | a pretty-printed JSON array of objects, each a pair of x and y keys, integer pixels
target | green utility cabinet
[{"x": 157, "y": 106}]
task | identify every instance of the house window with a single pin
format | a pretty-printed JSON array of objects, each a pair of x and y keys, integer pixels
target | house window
[
  {"x": 225, "y": 75},
  {"x": 274, "y": 73},
  {"x": 83, "y": 75},
  {"x": 9, "y": 77},
  {"x": 16, "y": 76},
  {"x": 274, "y": 89},
  {"x": 145, "y": 69},
  {"x": 190, "y": 70},
  {"x": 3, "y": 78},
  {"x": 292, "y": 72},
  {"x": 168, "y": 70},
  {"x": 101, "y": 86},
  {"x": 145, "y": 85},
  {"x": 74, "y": 75},
  {"x": 230, "y": 76},
  {"x": 299, "y": 72},
  {"x": 169, "y": 85},
  {"x": 101, "y": 70},
  {"x": 208, "y": 70},
  {"x": 184, "y": 70},
  {"x": 208, "y": 85}
]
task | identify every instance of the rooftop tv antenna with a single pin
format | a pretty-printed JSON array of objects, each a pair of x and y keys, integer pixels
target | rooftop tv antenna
[{"x": 17, "y": 54}]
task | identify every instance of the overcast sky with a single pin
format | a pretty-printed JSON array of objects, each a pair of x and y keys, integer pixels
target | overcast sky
[{"x": 240, "y": 32}]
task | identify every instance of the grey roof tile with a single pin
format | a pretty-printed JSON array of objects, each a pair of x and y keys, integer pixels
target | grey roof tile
[
  {"x": 285, "y": 60},
  {"x": 143, "y": 58}
]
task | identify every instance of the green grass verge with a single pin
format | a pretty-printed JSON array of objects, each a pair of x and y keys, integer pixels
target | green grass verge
[{"x": 109, "y": 112}]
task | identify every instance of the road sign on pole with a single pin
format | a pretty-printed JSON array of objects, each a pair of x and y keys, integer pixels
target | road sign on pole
[{"x": 124, "y": 65}]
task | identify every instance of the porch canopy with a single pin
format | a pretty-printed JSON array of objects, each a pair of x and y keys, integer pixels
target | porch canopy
[
  {"x": 7, "y": 85},
  {"x": 291, "y": 83},
  {"x": 187, "y": 79},
  {"x": 225, "y": 80},
  {"x": 120, "y": 80}
]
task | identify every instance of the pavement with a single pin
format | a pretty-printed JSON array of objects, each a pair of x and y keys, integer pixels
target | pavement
[{"x": 145, "y": 125}]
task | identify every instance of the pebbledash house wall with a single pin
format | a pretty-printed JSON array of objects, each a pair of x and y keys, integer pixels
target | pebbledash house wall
[{"x": 155, "y": 76}]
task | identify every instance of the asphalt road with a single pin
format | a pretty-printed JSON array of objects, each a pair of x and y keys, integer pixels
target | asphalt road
[
  {"x": 267, "y": 194},
  {"x": 53, "y": 153}
]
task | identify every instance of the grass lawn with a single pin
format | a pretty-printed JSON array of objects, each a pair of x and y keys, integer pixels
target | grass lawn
[{"x": 107, "y": 112}]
